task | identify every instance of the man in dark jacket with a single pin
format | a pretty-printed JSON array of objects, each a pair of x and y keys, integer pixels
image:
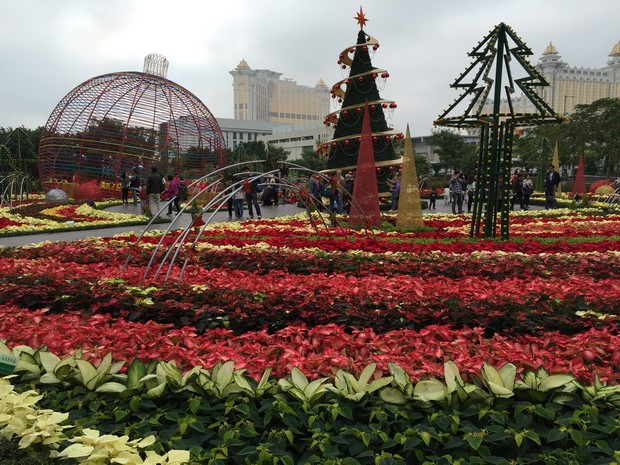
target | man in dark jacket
[
  {"x": 154, "y": 184},
  {"x": 552, "y": 181}
]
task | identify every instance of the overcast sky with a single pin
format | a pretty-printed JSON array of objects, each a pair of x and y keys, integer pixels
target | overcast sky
[{"x": 48, "y": 47}]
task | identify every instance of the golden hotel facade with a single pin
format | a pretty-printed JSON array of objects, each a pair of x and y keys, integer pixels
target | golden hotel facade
[{"x": 262, "y": 95}]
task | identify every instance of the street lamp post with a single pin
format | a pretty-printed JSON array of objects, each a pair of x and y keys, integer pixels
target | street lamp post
[{"x": 565, "y": 97}]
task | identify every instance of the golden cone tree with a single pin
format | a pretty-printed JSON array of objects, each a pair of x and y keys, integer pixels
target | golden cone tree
[{"x": 409, "y": 205}]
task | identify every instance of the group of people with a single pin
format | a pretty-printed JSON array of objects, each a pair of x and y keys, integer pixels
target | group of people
[
  {"x": 338, "y": 188},
  {"x": 249, "y": 193},
  {"x": 151, "y": 190},
  {"x": 460, "y": 191},
  {"x": 523, "y": 187},
  {"x": 254, "y": 190}
]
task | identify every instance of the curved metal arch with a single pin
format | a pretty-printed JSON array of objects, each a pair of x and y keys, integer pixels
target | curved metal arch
[
  {"x": 189, "y": 202},
  {"x": 216, "y": 203}
]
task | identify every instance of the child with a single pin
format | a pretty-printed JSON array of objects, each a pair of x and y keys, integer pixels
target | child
[
  {"x": 239, "y": 196},
  {"x": 446, "y": 196},
  {"x": 141, "y": 190},
  {"x": 432, "y": 199}
]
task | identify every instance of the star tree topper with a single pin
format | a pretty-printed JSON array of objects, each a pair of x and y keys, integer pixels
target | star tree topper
[{"x": 361, "y": 18}]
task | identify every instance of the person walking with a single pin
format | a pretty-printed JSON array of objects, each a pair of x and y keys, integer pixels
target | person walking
[
  {"x": 456, "y": 190},
  {"x": 172, "y": 191},
  {"x": 552, "y": 181},
  {"x": 154, "y": 182}
]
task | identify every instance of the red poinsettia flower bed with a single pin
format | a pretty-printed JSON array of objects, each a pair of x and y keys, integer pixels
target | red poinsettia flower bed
[{"x": 274, "y": 293}]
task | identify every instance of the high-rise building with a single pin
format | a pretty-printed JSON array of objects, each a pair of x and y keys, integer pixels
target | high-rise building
[
  {"x": 575, "y": 85},
  {"x": 570, "y": 85},
  {"x": 261, "y": 95}
]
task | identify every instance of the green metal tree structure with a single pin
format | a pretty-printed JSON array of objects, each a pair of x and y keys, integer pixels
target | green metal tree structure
[
  {"x": 352, "y": 92},
  {"x": 493, "y": 79},
  {"x": 18, "y": 155},
  {"x": 544, "y": 155}
]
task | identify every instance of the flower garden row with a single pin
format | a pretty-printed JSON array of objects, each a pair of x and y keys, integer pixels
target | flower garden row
[
  {"x": 275, "y": 296},
  {"x": 37, "y": 218}
]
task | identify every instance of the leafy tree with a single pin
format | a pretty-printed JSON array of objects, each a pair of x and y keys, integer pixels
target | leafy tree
[
  {"x": 422, "y": 166},
  {"x": 258, "y": 150},
  {"x": 453, "y": 152},
  {"x": 596, "y": 128},
  {"x": 593, "y": 130},
  {"x": 311, "y": 160}
]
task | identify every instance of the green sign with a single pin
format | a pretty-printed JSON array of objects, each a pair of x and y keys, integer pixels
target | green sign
[{"x": 7, "y": 364}]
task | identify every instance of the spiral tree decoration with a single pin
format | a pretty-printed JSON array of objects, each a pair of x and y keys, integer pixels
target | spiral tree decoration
[{"x": 360, "y": 85}]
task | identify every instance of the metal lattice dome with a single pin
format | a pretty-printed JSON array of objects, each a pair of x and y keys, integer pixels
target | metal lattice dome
[{"x": 123, "y": 121}]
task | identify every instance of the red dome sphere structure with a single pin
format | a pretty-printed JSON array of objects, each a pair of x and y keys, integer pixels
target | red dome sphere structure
[{"x": 119, "y": 122}]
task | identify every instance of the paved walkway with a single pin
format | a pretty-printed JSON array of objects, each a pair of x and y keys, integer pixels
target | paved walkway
[{"x": 182, "y": 222}]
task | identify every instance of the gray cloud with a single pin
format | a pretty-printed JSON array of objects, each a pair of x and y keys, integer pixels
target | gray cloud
[{"x": 48, "y": 48}]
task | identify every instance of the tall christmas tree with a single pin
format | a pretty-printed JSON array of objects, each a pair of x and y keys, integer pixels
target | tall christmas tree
[{"x": 359, "y": 87}]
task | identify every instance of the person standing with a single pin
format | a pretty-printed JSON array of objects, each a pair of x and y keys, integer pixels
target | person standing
[
  {"x": 124, "y": 188},
  {"x": 471, "y": 188},
  {"x": 173, "y": 192},
  {"x": 395, "y": 190},
  {"x": 154, "y": 183},
  {"x": 552, "y": 181},
  {"x": 456, "y": 190},
  {"x": 336, "y": 184},
  {"x": 528, "y": 189},
  {"x": 239, "y": 195},
  {"x": 517, "y": 190},
  {"x": 250, "y": 188},
  {"x": 432, "y": 199},
  {"x": 134, "y": 184}
]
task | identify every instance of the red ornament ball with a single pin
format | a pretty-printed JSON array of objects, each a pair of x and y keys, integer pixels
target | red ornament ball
[{"x": 347, "y": 142}]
